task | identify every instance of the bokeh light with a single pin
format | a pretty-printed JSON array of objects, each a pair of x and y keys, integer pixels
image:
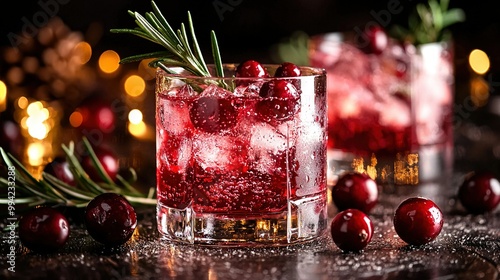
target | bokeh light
[
  {"x": 134, "y": 85},
  {"x": 76, "y": 119},
  {"x": 109, "y": 61},
  {"x": 3, "y": 96},
  {"x": 138, "y": 130},
  {"x": 479, "y": 61},
  {"x": 36, "y": 152},
  {"x": 83, "y": 51},
  {"x": 22, "y": 102},
  {"x": 135, "y": 116}
]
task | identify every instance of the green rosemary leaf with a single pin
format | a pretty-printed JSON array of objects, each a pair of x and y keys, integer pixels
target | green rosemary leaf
[
  {"x": 154, "y": 27},
  {"x": 136, "y": 32},
  {"x": 164, "y": 22},
  {"x": 80, "y": 175},
  {"x": 151, "y": 193},
  {"x": 216, "y": 54},
  {"x": 140, "y": 57},
  {"x": 127, "y": 185},
  {"x": 141, "y": 200},
  {"x": 67, "y": 189},
  {"x": 158, "y": 37},
  {"x": 23, "y": 200},
  {"x": 189, "y": 57},
  {"x": 97, "y": 164},
  {"x": 196, "y": 46}
]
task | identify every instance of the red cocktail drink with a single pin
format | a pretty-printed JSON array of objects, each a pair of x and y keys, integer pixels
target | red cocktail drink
[
  {"x": 389, "y": 111},
  {"x": 236, "y": 166}
]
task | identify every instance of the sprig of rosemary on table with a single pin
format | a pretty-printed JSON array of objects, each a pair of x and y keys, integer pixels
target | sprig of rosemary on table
[
  {"x": 429, "y": 22},
  {"x": 50, "y": 190},
  {"x": 178, "y": 52}
]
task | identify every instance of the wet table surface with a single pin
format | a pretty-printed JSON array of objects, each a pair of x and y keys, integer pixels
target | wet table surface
[{"x": 467, "y": 248}]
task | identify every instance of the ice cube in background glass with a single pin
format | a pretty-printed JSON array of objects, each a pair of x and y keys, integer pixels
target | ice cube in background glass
[
  {"x": 348, "y": 98},
  {"x": 395, "y": 112},
  {"x": 219, "y": 152}
]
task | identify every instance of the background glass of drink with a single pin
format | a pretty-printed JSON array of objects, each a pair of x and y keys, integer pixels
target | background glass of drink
[
  {"x": 238, "y": 169},
  {"x": 389, "y": 113}
]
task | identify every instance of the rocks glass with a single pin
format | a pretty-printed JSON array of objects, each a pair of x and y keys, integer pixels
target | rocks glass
[
  {"x": 238, "y": 169},
  {"x": 389, "y": 114}
]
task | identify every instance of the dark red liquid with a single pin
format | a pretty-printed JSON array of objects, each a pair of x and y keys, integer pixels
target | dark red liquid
[{"x": 233, "y": 160}]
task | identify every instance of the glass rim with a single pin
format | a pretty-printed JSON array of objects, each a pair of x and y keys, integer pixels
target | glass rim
[{"x": 311, "y": 72}]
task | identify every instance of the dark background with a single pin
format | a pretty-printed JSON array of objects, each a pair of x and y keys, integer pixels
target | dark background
[{"x": 248, "y": 28}]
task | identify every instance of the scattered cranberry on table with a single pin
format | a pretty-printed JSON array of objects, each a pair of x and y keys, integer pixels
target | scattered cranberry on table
[
  {"x": 43, "y": 229},
  {"x": 355, "y": 190},
  {"x": 479, "y": 192},
  {"x": 110, "y": 219},
  {"x": 351, "y": 230},
  {"x": 418, "y": 220},
  {"x": 59, "y": 168}
]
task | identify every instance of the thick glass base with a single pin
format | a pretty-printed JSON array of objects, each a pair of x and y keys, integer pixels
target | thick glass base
[{"x": 304, "y": 220}]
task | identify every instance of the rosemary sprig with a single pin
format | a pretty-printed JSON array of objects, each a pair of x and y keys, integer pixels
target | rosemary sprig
[
  {"x": 429, "y": 22},
  {"x": 50, "y": 190},
  {"x": 181, "y": 50}
]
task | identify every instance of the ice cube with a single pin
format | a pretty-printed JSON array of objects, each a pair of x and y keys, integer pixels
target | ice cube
[
  {"x": 348, "y": 98},
  {"x": 219, "y": 152},
  {"x": 251, "y": 90},
  {"x": 353, "y": 63},
  {"x": 175, "y": 152},
  {"x": 215, "y": 91},
  {"x": 309, "y": 142},
  {"x": 173, "y": 116},
  {"x": 266, "y": 137},
  {"x": 395, "y": 112},
  {"x": 268, "y": 148}
]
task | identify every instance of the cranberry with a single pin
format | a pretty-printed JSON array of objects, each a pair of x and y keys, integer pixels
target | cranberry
[
  {"x": 110, "y": 219},
  {"x": 211, "y": 114},
  {"x": 376, "y": 40},
  {"x": 251, "y": 68},
  {"x": 288, "y": 69},
  {"x": 480, "y": 192},
  {"x": 418, "y": 220},
  {"x": 108, "y": 160},
  {"x": 59, "y": 168},
  {"x": 280, "y": 100},
  {"x": 351, "y": 230},
  {"x": 43, "y": 229},
  {"x": 355, "y": 190}
]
